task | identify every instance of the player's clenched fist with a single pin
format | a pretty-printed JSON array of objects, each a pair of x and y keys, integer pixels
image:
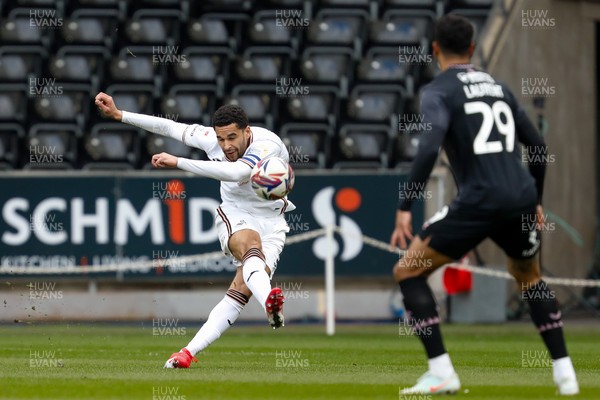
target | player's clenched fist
[
  {"x": 164, "y": 160},
  {"x": 107, "y": 107}
]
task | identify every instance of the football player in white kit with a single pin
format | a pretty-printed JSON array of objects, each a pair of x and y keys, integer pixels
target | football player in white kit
[{"x": 252, "y": 230}]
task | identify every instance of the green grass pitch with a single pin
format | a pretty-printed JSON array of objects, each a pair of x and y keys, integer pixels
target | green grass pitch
[{"x": 100, "y": 361}]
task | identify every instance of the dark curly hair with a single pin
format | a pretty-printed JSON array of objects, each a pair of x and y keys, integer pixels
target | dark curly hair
[
  {"x": 454, "y": 34},
  {"x": 229, "y": 114}
]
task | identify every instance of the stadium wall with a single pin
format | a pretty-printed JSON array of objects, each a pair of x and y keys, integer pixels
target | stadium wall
[{"x": 546, "y": 50}]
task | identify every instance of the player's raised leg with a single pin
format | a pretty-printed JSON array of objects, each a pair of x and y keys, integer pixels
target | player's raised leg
[
  {"x": 543, "y": 308},
  {"x": 222, "y": 316},
  {"x": 411, "y": 273},
  {"x": 245, "y": 245}
]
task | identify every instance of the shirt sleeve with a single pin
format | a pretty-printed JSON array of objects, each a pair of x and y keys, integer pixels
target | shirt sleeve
[
  {"x": 436, "y": 115},
  {"x": 219, "y": 170},
  {"x": 198, "y": 136},
  {"x": 534, "y": 145}
]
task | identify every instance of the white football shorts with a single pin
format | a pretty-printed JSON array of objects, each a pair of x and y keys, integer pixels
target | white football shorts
[{"x": 272, "y": 232}]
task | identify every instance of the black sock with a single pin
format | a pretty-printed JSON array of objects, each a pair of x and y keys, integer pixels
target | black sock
[
  {"x": 422, "y": 314},
  {"x": 544, "y": 312}
]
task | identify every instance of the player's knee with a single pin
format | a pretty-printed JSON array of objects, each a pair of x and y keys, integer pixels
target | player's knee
[
  {"x": 403, "y": 271},
  {"x": 243, "y": 241},
  {"x": 524, "y": 271}
]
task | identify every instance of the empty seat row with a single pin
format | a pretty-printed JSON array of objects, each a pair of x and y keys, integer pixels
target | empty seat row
[{"x": 64, "y": 146}]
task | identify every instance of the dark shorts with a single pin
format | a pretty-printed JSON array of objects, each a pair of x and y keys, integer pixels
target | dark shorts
[{"x": 455, "y": 230}]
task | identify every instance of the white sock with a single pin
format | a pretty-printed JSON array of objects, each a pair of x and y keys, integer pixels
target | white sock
[
  {"x": 441, "y": 366},
  {"x": 222, "y": 316},
  {"x": 562, "y": 368},
  {"x": 255, "y": 276}
]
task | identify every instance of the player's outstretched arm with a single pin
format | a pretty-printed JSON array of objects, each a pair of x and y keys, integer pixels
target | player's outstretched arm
[
  {"x": 219, "y": 170},
  {"x": 158, "y": 125}
]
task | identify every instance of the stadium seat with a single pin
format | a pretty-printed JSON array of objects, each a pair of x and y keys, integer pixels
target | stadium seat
[
  {"x": 470, "y": 3},
  {"x": 10, "y": 134},
  {"x": 287, "y": 3},
  {"x": 190, "y": 103},
  {"x": 91, "y": 26},
  {"x": 265, "y": 63},
  {"x": 338, "y": 26},
  {"x": 382, "y": 64},
  {"x": 17, "y": 27},
  {"x": 17, "y": 63},
  {"x": 229, "y": 5},
  {"x": 51, "y": 144},
  {"x": 364, "y": 146},
  {"x": 321, "y": 104},
  {"x": 259, "y": 102},
  {"x": 80, "y": 63},
  {"x": 425, "y": 4},
  {"x": 208, "y": 31},
  {"x": 266, "y": 28},
  {"x": 63, "y": 102},
  {"x": 406, "y": 145},
  {"x": 154, "y": 26},
  {"x": 138, "y": 98},
  {"x": 103, "y": 3},
  {"x": 376, "y": 102},
  {"x": 327, "y": 64},
  {"x": 308, "y": 144},
  {"x": 219, "y": 28},
  {"x": 349, "y": 3},
  {"x": 157, "y": 144},
  {"x": 403, "y": 27},
  {"x": 203, "y": 64},
  {"x": 13, "y": 101},
  {"x": 134, "y": 64},
  {"x": 111, "y": 145}
]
